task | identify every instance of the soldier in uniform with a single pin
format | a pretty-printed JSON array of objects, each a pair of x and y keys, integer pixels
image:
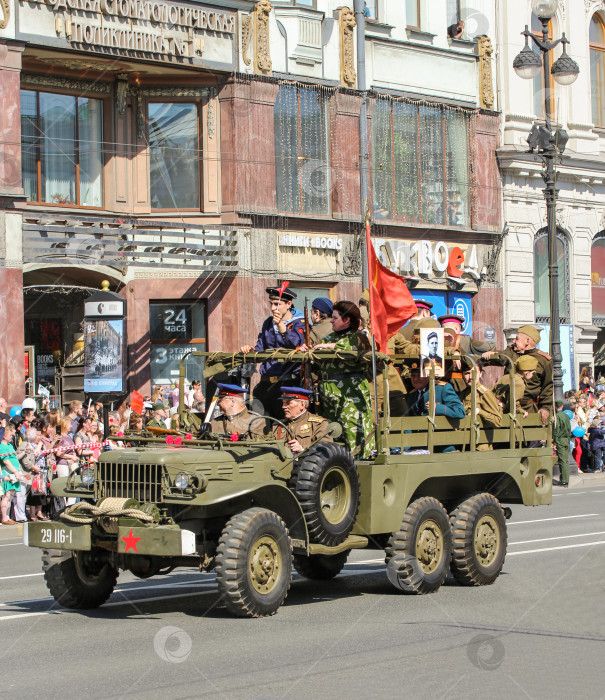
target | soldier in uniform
[
  {"x": 424, "y": 311},
  {"x": 538, "y": 394},
  {"x": 486, "y": 405},
  {"x": 321, "y": 315},
  {"x": 285, "y": 328},
  {"x": 160, "y": 413},
  {"x": 432, "y": 357},
  {"x": 234, "y": 417},
  {"x": 306, "y": 429},
  {"x": 561, "y": 436},
  {"x": 447, "y": 402},
  {"x": 525, "y": 367},
  {"x": 465, "y": 344}
]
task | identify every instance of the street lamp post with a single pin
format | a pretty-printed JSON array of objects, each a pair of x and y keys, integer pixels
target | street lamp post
[{"x": 548, "y": 145}]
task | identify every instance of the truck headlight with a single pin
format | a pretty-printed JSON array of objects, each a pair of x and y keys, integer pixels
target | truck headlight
[
  {"x": 88, "y": 476},
  {"x": 181, "y": 481}
]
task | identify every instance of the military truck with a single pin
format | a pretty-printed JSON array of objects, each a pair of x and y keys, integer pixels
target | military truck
[{"x": 251, "y": 511}]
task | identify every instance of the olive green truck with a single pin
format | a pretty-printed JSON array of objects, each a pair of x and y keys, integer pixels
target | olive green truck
[{"x": 251, "y": 512}]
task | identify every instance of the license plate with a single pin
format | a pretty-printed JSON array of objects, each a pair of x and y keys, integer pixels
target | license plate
[{"x": 57, "y": 536}]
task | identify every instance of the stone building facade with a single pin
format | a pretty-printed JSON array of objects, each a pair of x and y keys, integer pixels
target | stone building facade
[{"x": 192, "y": 154}]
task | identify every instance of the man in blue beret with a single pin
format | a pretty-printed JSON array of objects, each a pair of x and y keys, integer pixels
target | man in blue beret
[
  {"x": 305, "y": 428},
  {"x": 234, "y": 417},
  {"x": 321, "y": 313},
  {"x": 285, "y": 328}
]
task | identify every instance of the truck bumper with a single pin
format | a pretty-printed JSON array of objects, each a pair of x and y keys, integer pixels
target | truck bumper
[{"x": 156, "y": 540}]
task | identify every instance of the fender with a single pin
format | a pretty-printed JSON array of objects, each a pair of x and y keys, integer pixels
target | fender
[{"x": 274, "y": 496}]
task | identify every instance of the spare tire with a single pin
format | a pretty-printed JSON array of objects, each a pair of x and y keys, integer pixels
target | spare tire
[{"x": 325, "y": 482}]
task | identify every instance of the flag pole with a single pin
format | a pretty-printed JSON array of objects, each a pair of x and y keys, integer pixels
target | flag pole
[{"x": 370, "y": 282}]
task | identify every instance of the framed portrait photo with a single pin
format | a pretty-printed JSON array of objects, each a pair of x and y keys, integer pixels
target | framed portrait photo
[{"x": 432, "y": 351}]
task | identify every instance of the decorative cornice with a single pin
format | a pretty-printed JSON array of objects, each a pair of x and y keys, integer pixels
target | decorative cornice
[
  {"x": 66, "y": 83},
  {"x": 591, "y": 6}
]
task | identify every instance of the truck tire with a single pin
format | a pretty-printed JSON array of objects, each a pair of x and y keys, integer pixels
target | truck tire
[
  {"x": 254, "y": 563},
  {"x": 78, "y": 580},
  {"x": 326, "y": 484},
  {"x": 320, "y": 567},
  {"x": 418, "y": 555},
  {"x": 479, "y": 540}
]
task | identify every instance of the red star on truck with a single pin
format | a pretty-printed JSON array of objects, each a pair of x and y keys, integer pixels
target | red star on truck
[{"x": 131, "y": 541}]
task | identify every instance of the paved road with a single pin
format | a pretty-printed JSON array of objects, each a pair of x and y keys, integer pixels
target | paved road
[{"x": 538, "y": 632}]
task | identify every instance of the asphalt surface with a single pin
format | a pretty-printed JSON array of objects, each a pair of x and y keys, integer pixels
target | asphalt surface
[{"x": 537, "y": 632}]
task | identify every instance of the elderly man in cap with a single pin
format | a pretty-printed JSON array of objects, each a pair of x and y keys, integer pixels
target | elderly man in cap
[
  {"x": 525, "y": 367},
  {"x": 234, "y": 417},
  {"x": 160, "y": 415},
  {"x": 424, "y": 311},
  {"x": 321, "y": 314},
  {"x": 538, "y": 394},
  {"x": 285, "y": 328},
  {"x": 305, "y": 428}
]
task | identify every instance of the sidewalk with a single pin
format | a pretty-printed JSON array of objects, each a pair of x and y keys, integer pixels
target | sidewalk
[
  {"x": 580, "y": 480},
  {"x": 11, "y": 532}
]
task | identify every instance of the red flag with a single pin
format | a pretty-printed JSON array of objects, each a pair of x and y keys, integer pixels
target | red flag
[
  {"x": 391, "y": 303},
  {"x": 282, "y": 289},
  {"x": 136, "y": 402}
]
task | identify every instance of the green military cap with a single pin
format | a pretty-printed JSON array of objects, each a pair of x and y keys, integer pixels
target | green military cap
[
  {"x": 159, "y": 407},
  {"x": 530, "y": 331},
  {"x": 526, "y": 363},
  {"x": 427, "y": 323}
]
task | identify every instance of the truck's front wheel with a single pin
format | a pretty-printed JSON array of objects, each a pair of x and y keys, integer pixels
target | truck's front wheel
[
  {"x": 254, "y": 563},
  {"x": 479, "y": 537},
  {"x": 79, "y": 580}
]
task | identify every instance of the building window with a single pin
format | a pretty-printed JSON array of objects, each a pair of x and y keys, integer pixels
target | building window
[
  {"x": 538, "y": 82},
  {"x": 62, "y": 149},
  {"x": 174, "y": 168},
  {"x": 597, "y": 70},
  {"x": 597, "y": 278},
  {"x": 420, "y": 163},
  {"x": 302, "y": 163},
  {"x": 541, "y": 279},
  {"x": 412, "y": 14},
  {"x": 176, "y": 328}
]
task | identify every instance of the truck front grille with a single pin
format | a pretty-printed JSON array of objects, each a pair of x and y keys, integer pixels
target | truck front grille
[{"x": 122, "y": 480}]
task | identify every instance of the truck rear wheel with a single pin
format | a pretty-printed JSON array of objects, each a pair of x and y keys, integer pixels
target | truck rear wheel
[
  {"x": 254, "y": 563},
  {"x": 326, "y": 485},
  {"x": 418, "y": 555},
  {"x": 320, "y": 566},
  {"x": 78, "y": 580},
  {"x": 479, "y": 540}
]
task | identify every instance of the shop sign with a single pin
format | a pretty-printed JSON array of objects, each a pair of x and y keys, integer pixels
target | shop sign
[
  {"x": 426, "y": 258},
  {"x": 288, "y": 240},
  {"x": 151, "y": 27}
]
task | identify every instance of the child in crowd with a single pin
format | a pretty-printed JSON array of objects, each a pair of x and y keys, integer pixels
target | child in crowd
[{"x": 596, "y": 441}]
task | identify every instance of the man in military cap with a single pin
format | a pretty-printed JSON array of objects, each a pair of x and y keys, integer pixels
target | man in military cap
[
  {"x": 160, "y": 414},
  {"x": 486, "y": 404},
  {"x": 433, "y": 347},
  {"x": 561, "y": 435},
  {"x": 234, "y": 417},
  {"x": 525, "y": 367},
  {"x": 446, "y": 401},
  {"x": 321, "y": 313},
  {"x": 454, "y": 338},
  {"x": 285, "y": 328},
  {"x": 538, "y": 394},
  {"x": 423, "y": 311},
  {"x": 306, "y": 429}
]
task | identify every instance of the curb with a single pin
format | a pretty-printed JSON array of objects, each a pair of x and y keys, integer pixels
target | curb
[
  {"x": 580, "y": 480},
  {"x": 11, "y": 532}
]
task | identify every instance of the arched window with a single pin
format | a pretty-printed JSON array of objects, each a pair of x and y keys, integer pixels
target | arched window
[
  {"x": 597, "y": 279},
  {"x": 538, "y": 88},
  {"x": 541, "y": 280},
  {"x": 597, "y": 69}
]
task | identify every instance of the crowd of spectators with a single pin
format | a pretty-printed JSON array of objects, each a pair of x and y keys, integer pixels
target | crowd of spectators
[{"x": 586, "y": 409}]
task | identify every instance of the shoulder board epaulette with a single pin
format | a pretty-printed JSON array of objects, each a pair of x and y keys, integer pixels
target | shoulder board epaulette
[
  {"x": 316, "y": 419},
  {"x": 481, "y": 389},
  {"x": 544, "y": 354},
  {"x": 440, "y": 383}
]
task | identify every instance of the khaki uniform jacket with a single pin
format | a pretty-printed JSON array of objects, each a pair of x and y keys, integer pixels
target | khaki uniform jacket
[
  {"x": 397, "y": 388},
  {"x": 408, "y": 330},
  {"x": 320, "y": 330},
  {"x": 154, "y": 423},
  {"x": 467, "y": 345},
  {"x": 539, "y": 390},
  {"x": 487, "y": 403},
  {"x": 502, "y": 391},
  {"x": 244, "y": 423},
  {"x": 307, "y": 429}
]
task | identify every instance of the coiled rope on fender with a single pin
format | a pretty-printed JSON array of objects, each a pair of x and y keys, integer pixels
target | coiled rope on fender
[{"x": 110, "y": 507}]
